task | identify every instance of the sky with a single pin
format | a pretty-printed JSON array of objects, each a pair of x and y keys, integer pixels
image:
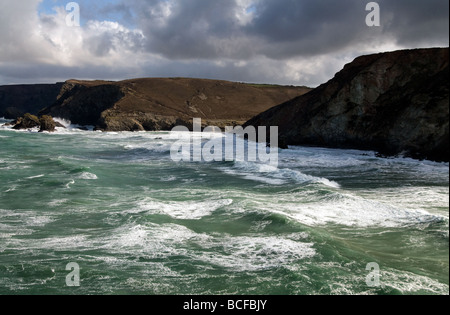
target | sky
[{"x": 289, "y": 42}]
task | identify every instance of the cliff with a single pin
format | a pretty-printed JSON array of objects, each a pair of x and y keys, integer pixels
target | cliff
[
  {"x": 161, "y": 104},
  {"x": 393, "y": 103},
  {"x": 16, "y": 100}
]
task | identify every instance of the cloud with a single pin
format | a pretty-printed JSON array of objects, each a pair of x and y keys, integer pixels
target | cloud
[
  {"x": 283, "y": 29},
  {"x": 282, "y": 41},
  {"x": 19, "y": 36},
  {"x": 417, "y": 22}
]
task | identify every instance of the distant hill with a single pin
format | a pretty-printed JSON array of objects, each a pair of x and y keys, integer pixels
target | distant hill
[
  {"x": 16, "y": 100},
  {"x": 394, "y": 103},
  {"x": 162, "y": 103}
]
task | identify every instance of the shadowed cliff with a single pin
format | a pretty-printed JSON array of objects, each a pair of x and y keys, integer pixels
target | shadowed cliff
[{"x": 16, "y": 100}]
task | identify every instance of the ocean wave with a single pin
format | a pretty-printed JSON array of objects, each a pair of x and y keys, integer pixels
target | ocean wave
[
  {"x": 14, "y": 223},
  {"x": 36, "y": 176},
  {"x": 3, "y": 121},
  {"x": 148, "y": 148},
  {"x": 325, "y": 157},
  {"x": 410, "y": 283},
  {"x": 87, "y": 176},
  {"x": 269, "y": 174},
  {"x": 65, "y": 122},
  {"x": 67, "y": 185},
  {"x": 69, "y": 126},
  {"x": 350, "y": 210},
  {"x": 152, "y": 240},
  {"x": 57, "y": 202},
  {"x": 240, "y": 253},
  {"x": 185, "y": 210},
  {"x": 245, "y": 253}
]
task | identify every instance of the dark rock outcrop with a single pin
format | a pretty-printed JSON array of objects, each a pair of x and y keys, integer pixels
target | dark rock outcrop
[
  {"x": 47, "y": 124},
  {"x": 394, "y": 103},
  {"x": 161, "y": 104},
  {"x": 28, "y": 121}
]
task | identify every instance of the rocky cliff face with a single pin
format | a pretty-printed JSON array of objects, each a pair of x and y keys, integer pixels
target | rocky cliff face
[
  {"x": 16, "y": 100},
  {"x": 394, "y": 103},
  {"x": 83, "y": 103},
  {"x": 161, "y": 104}
]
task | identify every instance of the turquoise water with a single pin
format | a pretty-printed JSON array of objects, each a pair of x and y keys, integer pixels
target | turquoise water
[{"x": 138, "y": 223}]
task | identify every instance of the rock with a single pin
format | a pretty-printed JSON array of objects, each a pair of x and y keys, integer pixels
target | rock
[
  {"x": 28, "y": 121},
  {"x": 395, "y": 103},
  {"x": 47, "y": 124},
  {"x": 83, "y": 104},
  {"x": 283, "y": 143}
]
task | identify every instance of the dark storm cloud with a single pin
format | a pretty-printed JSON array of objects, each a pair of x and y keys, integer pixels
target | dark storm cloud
[
  {"x": 417, "y": 22},
  {"x": 299, "y": 21},
  {"x": 285, "y": 28},
  {"x": 192, "y": 28}
]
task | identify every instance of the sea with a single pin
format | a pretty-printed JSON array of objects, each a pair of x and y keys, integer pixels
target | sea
[{"x": 84, "y": 212}]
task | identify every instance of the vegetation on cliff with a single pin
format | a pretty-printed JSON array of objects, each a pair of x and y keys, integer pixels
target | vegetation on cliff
[{"x": 162, "y": 103}]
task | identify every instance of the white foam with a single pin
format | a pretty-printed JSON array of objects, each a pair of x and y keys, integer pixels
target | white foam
[
  {"x": 151, "y": 145},
  {"x": 153, "y": 241},
  {"x": 432, "y": 199},
  {"x": 38, "y": 220},
  {"x": 407, "y": 282},
  {"x": 245, "y": 253},
  {"x": 185, "y": 210},
  {"x": 62, "y": 243},
  {"x": 269, "y": 174},
  {"x": 346, "y": 209},
  {"x": 169, "y": 178},
  {"x": 11, "y": 188},
  {"x": 245, "y": 175},
  {"x": 72, "y": 129},
  {"x": 87, "y": 176},
  {"x": 71, "y": 182},
  {"x": 11, "y": 224},
  {"x": 37, "y": 176},
  {"x": 242, "y": 253},
  {"x": 302, "y": 178},
  {"x": 65, "y": 122},
  {"x": 57, "y": 202},
  {"x": 3, "y": 121},
  {"x": 324, "y": 157},
  {"x": 21, "y": 223}
]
